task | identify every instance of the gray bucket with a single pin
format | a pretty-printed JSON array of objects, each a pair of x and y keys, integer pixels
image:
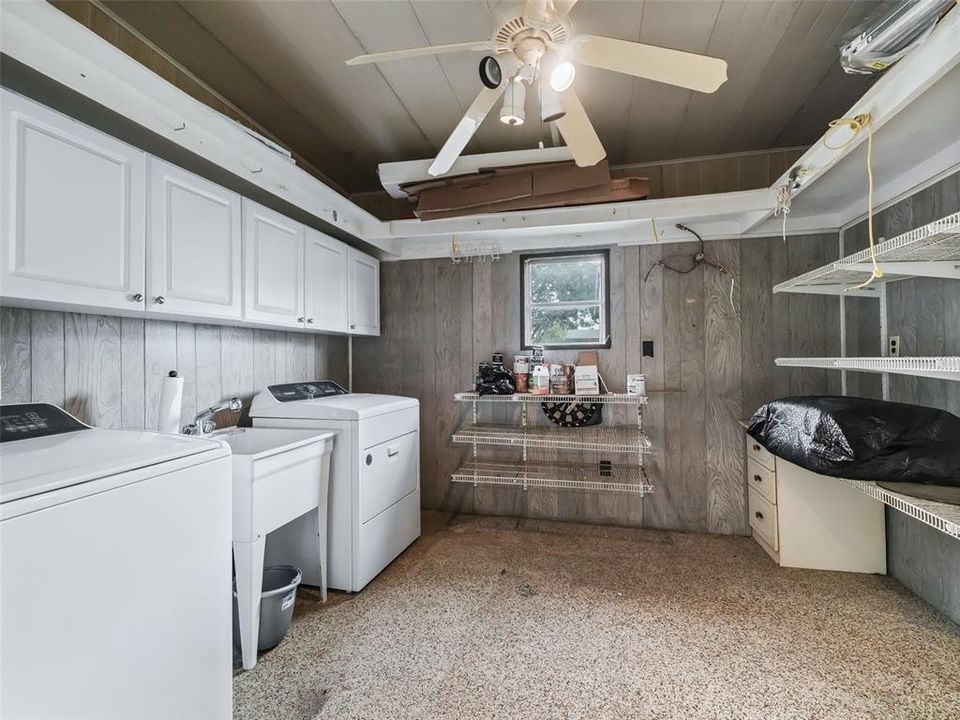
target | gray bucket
[{"x": 277, "y": 598}]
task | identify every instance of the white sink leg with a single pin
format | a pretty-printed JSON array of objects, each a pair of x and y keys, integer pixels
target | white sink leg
[
  {"x": 248, "y": 561},
  {"x": 322, "y": 548}
]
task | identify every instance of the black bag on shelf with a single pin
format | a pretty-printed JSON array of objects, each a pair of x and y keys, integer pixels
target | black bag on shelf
[
  {"x": 494, "y": 379},
  {"x": 862, "y": 439}
]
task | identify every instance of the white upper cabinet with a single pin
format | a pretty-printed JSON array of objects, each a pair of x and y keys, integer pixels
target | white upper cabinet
[
  {"x": 364, "y": 278},
  {"x": 193, "y": 245},
  {"x": 273, "y": 267},
  {"x": 326, "y": 289},
  {"x": 73, "y": 203}
]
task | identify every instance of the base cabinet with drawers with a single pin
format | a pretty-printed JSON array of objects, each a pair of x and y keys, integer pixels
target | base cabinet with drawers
[{"x": 806, "y": 520}]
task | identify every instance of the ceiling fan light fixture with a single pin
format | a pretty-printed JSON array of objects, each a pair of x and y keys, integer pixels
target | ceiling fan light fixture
[
  {"x": 491, "y": 75},
  {"x": 562, "y": 76},
  {"x": 551, "y": 109},
  {"x": 513, "y": 100}
]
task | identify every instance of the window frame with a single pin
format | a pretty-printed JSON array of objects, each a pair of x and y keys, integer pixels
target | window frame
[{"x": 604, "y": 301}]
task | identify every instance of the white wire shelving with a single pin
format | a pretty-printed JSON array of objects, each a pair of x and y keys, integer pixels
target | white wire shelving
[
  {"x": 604, "y": 438},
  {"x": 942, "y": 516},
  {"x": 608, "y": 398},
  {"x": 929, "y": 251},
  {"x": 561, "y": 476},
  {"x": 941, "y": 368}
]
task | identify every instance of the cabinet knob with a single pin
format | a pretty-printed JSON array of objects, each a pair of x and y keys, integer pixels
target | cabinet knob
[
  {"x": 353, "y": 326},
  {"x": 299, "y": 319},
  {"x": 159, "y": 300},
  {"x": 136, "y": 297},
  {"x": 309, "y": 321},
  {"x": 759, "y": 515},
  {"x": 756, "y": 448},
  {"x": 757, "y": 478}
]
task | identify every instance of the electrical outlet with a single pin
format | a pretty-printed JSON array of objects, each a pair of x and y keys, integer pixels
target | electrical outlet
[{"x": 893, "y": 346}]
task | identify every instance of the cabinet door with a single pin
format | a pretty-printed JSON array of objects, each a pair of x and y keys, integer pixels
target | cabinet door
[
  {"x": 364, "y": 294},
  {"x": 193, "y": 245},
  {"x": 73, "y": 203},
  {"x": 326, "y": 282},
  {"x": 273, "y": 264}
]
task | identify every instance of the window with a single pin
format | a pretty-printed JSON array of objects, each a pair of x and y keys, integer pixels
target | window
[{"x": 566, "y": 299}]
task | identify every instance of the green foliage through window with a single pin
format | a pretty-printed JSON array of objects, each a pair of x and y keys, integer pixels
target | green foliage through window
[{"x": 565, "y": 300}]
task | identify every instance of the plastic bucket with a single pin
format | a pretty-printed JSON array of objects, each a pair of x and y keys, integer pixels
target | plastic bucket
[{"x": 277, "y": 599}]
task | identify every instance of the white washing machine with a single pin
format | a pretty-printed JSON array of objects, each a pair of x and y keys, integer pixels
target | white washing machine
[
  {"x": 115, "y": 587},
  {"x": 374, "y": 497}
]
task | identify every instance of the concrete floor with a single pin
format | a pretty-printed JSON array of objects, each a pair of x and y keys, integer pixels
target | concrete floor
[{"x": 505, "y": 618}]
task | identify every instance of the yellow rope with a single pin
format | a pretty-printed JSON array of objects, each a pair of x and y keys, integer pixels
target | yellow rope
[{"x": 857, "y": 124}]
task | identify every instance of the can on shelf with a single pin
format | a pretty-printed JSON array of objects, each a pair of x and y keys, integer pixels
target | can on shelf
[{"x": 521, "y": 372}]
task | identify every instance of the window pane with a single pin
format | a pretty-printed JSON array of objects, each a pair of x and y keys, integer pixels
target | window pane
[
  {"x": 555, "y": 326},
  {"x": 565, "y": 281}
]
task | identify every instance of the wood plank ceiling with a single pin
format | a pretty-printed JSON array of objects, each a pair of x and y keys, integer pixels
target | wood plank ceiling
[{"x": 283, "y": 63}]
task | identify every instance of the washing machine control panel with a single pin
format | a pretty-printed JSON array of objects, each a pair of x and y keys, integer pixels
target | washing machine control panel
[
  {"x": 306, "y": 391},
  {"x": 33, "y": 420}
]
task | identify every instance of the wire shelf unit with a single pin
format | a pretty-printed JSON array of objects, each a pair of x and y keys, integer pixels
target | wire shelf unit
[
  {"x": 608, "y": 438},
  {"x": 608, "y": 398},
  {"x": 561, "y": 476},
  {"x": 929, "y": 251},
  {"x": 942, "y": 516},
  {"x": 942, "y": 368}
]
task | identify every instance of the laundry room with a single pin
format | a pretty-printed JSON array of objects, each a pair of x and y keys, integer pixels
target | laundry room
[{"x": 389, "y": 359}]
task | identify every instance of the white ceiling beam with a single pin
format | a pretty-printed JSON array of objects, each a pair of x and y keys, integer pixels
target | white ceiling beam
[{"x": 893, "y": 92}]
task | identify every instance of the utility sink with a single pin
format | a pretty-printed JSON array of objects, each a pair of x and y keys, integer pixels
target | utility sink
[{"x": 279, "y": 475}]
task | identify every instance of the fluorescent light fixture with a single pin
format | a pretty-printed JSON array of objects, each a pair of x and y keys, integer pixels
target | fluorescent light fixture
[
  {"x": 512, "y": 111},
  {"x": 562, "y": 76}
]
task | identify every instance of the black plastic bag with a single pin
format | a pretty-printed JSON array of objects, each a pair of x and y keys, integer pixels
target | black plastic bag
[
  {"x": 862, "y": 439},
  {"x": 494, "y": 379}
]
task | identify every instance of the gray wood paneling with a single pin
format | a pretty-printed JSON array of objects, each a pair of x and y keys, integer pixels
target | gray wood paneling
[
  {"x": 107, "y": 370},
  {"x": 925, "y": 313},
  {"x": 439, "y": 319}
]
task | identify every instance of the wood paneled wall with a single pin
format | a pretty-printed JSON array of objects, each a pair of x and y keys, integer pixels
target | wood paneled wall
[
  {"x": 107, "y": 370},
  {"x": 925, "y": 313},
  {"x": 716, "y": 361}
]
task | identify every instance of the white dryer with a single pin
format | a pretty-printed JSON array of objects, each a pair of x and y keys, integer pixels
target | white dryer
[
  {"x": 115, "y": 581},
  {"x": 374, "y": 497}
]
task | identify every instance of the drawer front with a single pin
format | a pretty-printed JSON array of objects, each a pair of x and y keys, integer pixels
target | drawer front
[
  {"x": 756, "y": 451},
  {"x": 388, "y": 473},
  {"x": 762, "y": 479},
  {"x": 763, "y": 518}
]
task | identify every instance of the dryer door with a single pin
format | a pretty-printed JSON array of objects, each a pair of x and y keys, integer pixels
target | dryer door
[{"x": 388, "y": 473}]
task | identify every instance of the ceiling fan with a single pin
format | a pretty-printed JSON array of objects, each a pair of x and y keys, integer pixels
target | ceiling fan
[{"x": 533, "y": 42}]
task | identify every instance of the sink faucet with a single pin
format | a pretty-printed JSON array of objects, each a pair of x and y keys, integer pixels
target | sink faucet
[{"x": 202, "y": 422}]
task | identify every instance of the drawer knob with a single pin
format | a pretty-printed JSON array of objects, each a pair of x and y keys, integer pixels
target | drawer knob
[
  {"x": 309, "y": 321},
  {"x": 756, "y": 448},
  {"x": 757, "y": 478},
  {"x": 137, "y": 297},
  {"x": 759, "y": 515},
  {"x": 299, "y": 319},
  {"x": 160, "y": 300}
]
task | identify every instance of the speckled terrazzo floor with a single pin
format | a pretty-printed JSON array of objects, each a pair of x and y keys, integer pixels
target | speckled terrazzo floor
[{"x": 502, "y": 618}]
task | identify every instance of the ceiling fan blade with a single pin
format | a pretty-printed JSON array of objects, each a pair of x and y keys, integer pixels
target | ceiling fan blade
[
  {"x": 465, "y": 129},
  {"x": 420, "y": 52},
  {"x": 674, "y": 67},
  {"x": 472, "y": 118},
  {"x": 578, "y": 132}
]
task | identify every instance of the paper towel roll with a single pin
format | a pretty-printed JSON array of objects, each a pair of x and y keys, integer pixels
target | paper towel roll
[{"x": 171, "y": 396}]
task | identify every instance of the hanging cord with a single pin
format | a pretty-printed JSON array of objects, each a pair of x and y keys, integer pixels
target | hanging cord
[
  {"x": 698, "y": 259},
  {"x": 782, "y": 208},
  {"x": 857, "y": 124}
]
